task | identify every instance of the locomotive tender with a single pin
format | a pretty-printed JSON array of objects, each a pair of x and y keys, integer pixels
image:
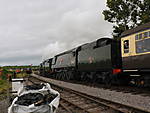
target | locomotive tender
[{"x": 105, "y": 60}]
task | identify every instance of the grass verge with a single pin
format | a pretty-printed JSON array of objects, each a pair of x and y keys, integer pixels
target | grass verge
[
  {"x": 21, "y": 75},
  {"x": 4, "y": 86}
]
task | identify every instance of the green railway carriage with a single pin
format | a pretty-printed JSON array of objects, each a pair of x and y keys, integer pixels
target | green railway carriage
[{"x": 135, "y": 47}]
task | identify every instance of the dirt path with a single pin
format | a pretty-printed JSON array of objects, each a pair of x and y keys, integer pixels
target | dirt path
[{"x": 3, "y": 106}]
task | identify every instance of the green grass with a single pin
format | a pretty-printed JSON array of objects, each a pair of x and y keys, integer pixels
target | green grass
[
  {"x": 21, "y": 75},
  {"x": 4, "y": 86}
]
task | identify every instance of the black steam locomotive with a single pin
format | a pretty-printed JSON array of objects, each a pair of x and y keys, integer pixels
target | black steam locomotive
[{"x": 105, "y": 60}]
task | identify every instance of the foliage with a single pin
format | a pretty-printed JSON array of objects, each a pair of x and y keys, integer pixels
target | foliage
[
  {"x": 3, "y": 85},
  {"x": 3, "y": 75},
  {"x": 123, "y": 13},
  {"x": 145, "y": 11},
  {"x": 21, "y": 75}
]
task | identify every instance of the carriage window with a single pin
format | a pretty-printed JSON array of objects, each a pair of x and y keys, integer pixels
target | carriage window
[
  {"x": 140, "y": 36},
  {"x": 145, "y": 34},
  {"x": 136, "y": 37},
  {"x": 143, "y": 46},
  {"x": 126, "y": 46}
]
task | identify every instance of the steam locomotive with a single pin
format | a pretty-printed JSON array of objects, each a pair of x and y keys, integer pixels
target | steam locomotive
[{"x": 105, "y": 60}]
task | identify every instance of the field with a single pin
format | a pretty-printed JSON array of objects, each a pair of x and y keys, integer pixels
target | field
[
  {"x": 4, "y": 87},
  {"x": 6, "y": 73}
]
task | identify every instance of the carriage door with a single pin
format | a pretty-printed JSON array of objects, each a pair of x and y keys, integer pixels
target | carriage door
[{"x": 126, "y": 49}]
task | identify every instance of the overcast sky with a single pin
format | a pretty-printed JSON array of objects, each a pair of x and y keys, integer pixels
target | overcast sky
[{"x": 32, "y": 30}]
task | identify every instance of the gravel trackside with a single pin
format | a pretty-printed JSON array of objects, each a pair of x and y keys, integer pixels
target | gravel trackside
[
  {"x": 138, "y": 101},
  {"x": 4, "y": 106}
]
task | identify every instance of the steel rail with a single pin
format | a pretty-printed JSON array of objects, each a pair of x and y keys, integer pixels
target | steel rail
[
  {"x": 107, "y": 103},
  {"x": 66, "y": 108}
]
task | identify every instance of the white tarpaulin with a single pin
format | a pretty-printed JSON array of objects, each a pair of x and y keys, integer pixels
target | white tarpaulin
[
  {"x": 17, "y": 83},
  {"x": 32, "y": 100}
]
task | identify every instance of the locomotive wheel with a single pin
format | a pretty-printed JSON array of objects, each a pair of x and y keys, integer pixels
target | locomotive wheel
[
  {"x": 59, "y": 76},
  {"x": 62, "y": 76},
  {"x": 67, "y": 76},
  {"x": 120, "y": 79},
  {"x": 83, "y": 76},
  {"x": 95, "y": 78},
  {"x": 76, "y": 75},
  {"x": 70, "y": 75},
  {"x": 89, "y": 77},
  {"x": 56, "y": 75},
  {"x": 108, "y": 80}
]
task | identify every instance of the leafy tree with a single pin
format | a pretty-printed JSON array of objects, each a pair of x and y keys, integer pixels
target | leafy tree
[
  {"x": 145, "y": 11},
  {"x": 123, "y": 13}
]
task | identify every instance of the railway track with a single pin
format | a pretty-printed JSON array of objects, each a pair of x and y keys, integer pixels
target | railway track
[
  {"x": 132, "y": 89},
  {"x": 136, "y": 90},
  {"x": 77, "y": 102}
]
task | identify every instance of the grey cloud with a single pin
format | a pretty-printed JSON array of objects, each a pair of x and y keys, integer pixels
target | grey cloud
[{"x": 30, "y": 29}]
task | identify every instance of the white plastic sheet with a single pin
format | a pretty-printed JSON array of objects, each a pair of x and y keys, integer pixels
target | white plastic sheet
[
  {"x": 46, "y": 108},
  {"x": 17, "y": 83}
]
